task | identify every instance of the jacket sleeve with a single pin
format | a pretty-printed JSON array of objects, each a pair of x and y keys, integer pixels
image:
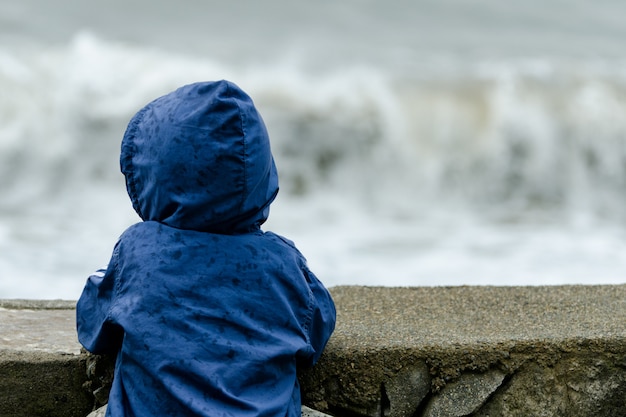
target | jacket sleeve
[
  {"x": 96, "y": 329},
  {"x": 322, "y": 319}
]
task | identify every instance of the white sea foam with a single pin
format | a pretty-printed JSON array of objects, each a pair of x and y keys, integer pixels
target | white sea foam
[{"x": 489, "y": 172}]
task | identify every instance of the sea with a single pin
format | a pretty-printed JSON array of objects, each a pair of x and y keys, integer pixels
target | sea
[{"x": 418, "y": 142}]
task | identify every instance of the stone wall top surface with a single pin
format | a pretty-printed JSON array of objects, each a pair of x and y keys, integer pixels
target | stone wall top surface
[
  {"x": 372, "y": 318},
  {"x": 38, "y": 330}
]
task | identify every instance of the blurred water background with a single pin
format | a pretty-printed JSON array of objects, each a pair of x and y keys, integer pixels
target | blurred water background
[{"x": 419, "y": 142}]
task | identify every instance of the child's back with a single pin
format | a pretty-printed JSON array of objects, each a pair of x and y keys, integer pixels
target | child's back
[{"x": 210, "y": 315}]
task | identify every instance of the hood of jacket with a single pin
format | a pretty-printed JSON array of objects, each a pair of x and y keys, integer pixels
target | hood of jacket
[{"x": 199, "y": 158}]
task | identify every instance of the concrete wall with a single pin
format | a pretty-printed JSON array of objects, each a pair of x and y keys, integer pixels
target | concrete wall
[
  {"x": 41, "y": 370},
  {"x": 458, "y": 351},
  {"x": 474, "y": 351}
]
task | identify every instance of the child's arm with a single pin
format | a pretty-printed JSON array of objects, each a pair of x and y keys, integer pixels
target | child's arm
[
  {"x": 323, "y": 318},
  {"x": 96, "y": 330}
]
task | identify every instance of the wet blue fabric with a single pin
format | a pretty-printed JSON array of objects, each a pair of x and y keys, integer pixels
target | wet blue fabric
[{"x": 209, "y": 315}]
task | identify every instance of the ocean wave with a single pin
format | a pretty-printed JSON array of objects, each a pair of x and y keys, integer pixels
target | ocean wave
[{"x": 525, "y": 133}]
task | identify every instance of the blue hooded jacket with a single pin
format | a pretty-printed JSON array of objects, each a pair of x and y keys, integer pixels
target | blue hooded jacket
[{"x": 208, "y": 314}]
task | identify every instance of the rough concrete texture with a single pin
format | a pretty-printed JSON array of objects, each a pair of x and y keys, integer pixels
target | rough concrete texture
[
  {"x": 418, "y": 352},
  {"x": 38, "y": 330},
  {"x": 474, "y": 351},
  {"x": 40, "y": 384},
  {"x": 41, "y": 371}
]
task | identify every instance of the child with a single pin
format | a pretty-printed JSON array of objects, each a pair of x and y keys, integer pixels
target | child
[{"x": 208, "y": 314}]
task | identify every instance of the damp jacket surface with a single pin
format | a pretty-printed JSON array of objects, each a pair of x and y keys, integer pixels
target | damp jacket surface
[{"x": 209, "y": 315}]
